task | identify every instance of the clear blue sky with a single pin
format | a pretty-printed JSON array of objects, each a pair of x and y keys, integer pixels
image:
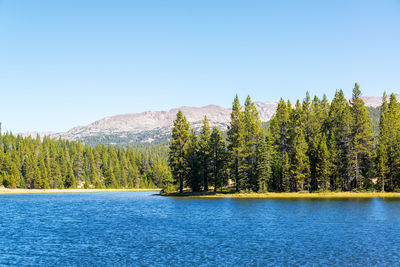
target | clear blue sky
[{"x": 68, "y": 63}]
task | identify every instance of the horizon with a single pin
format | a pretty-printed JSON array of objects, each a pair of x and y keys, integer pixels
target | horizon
[
  {"x": 72, "y": 63},
  {"x": 31, "y": 133}
]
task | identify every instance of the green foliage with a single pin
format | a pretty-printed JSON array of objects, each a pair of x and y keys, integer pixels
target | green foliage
[
  {"x": 203, "y": 151},
  {"x": 286, "y": 177},
  {"x": 236, "y": 141},
  {"x": 218, "y": 159},
  {"x": 323, "y": 165},
  {"x": 300, "y": 167},
  {"x": 195, "y": 163},
  {"x": 263, "y": 164},
  {"x": 178, "y": 149},
  {"x": 313, "y": 146},
  {"x": 361, "y": 146},
  {"x": 50, "y": 163},
  {"x": 251, "y": 137}
]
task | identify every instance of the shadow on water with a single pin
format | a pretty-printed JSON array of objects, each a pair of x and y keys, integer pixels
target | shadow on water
[
  {"x": 297, "y": 199},
  {"x": 390, "y": 199}
]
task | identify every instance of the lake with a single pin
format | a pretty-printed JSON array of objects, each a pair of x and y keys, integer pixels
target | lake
[{"x": 141, "y": 229}]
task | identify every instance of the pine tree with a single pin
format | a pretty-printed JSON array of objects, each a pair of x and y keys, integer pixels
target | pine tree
[
  {"x": 361, "y": 140},
  {"x": 300, "y": 167},
  {"x": 323, "y": 165},
  {"x": 263, "y": 165},
  {"x": 204, "y": 152},
  {"x": 251, "y": 134},
  {"x": 70, "y": 180},
  {"x": 218, "y": 159},
  {"x": 340, "y": 125},
  {"x": 286, "y": 176},
  {"x": 37, "y": 179},
  {"x": 235, "y": 141},
  {"x": 109, "y": 179},
  {"x": 393, "y": 145},
  {"x": 43, "y": 171},
  {"x": 382, "y": 167},
  {"x": 382, "y": 161},
  {"x": 28, "y": 170},
  {"x": 178, "y": 148},
  {"x": 318, "y": 115},
  {"x": 78, "y": 162},
  {"x": 335, "y": 181},
  {"x": 134, "y": 178},
  {"x": 194, "y": 174},
  {"x": 9, "y": 171},
  {"x": 279, "y": 138}
]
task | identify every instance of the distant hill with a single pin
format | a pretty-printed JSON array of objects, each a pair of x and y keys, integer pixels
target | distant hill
[{"x": 155, "y": 126}]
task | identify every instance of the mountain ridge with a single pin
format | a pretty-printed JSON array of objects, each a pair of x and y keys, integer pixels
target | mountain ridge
[{"x": 155, "y": 126}]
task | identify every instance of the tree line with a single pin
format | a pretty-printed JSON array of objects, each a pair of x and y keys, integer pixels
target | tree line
[
  {"x": 312, "y": 145},
  {"x": 56, "y": 164}
]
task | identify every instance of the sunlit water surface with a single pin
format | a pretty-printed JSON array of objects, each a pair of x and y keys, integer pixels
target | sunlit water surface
[{"x": 141, "y": 229}]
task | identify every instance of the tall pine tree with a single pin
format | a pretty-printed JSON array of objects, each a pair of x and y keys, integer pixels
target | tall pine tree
[{"x": 178, "y": 148}]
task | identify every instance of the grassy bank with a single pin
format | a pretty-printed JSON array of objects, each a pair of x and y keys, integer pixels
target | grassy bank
[
  {"x": 6, "y": 191},
  {"x": 299, "y": 195}
]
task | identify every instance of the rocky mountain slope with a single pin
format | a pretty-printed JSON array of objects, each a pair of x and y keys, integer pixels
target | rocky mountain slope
[
  {"x": 155, "y": 126},
  {"x": 150, "y": 126}
]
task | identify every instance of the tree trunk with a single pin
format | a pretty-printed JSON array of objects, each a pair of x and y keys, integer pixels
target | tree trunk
[
  {"x": 181, "y": 184},
  {"x": 357, "y": 170},
  {"x": 236, "y": 173},
  {"x": 205, "y": 182},
  {"x": 215, "y": 171}
]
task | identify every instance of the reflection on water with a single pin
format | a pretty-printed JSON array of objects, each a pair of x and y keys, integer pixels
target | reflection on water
[{"x": 141, "y": 229}]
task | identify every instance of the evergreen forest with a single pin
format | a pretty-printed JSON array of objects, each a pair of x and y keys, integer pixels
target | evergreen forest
[
  {"x": 56, "y": 164},
  {"x": 310, "y": 145}
]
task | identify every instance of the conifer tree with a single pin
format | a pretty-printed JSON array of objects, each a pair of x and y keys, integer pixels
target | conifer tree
[
  {"x": 28, "y": 170},
  {"x": 78, "y": 161},
  {"x": 340, "y": 125},
  {"x": 218, "y": 159},
  {"x": 393, "y": 145},
  {"x": 323, "y": 165},
  {"x": 382, "y": 167},
  {"x": 109, "y": 178},
  {"x": 37, "y": 179},
  {"x": 317, "y": 117},
  {"x": 43, "y": 172},
  {"x": 279, "y": 138},
  {"x": 70, "y": 180},
  {"x": 361, "y": 140},
  {"x": 178, "y": 148},
  {"x": 263, "y": 164},
  {"x": 251, "y": 135},
  {"x": 235, "y": 141},
  {"x": 300, "y": 168},
  {"x": 204, "y": 152},
  {"x": 9, "y": 171},
  {"x": 382, "y": 161},
  {"x": 286, "y": 176},
  {"x": 55, "y": 173},
  {"x": 335, "y": 181},
  {"x": 194, "y": 174}
]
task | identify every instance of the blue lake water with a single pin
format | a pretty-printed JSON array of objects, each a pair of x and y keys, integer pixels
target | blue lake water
[{"x": 139, "y": 229}]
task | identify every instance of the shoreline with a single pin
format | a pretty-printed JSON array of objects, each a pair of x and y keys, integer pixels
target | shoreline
[
  {"x": 6, "y": 191},
  {"x": 293, "y": 195}
]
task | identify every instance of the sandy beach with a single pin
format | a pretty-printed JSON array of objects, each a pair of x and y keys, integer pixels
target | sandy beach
[{"x": 336, "y": 195}]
